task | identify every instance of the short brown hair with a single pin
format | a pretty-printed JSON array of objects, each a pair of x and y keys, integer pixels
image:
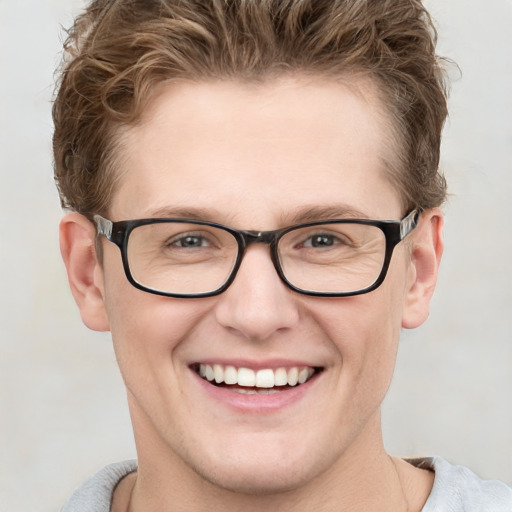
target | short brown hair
[{"x": 119, "y": 50}]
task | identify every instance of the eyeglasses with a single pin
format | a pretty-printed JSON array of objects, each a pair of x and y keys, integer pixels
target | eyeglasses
[{"x": 192, "y": 258}]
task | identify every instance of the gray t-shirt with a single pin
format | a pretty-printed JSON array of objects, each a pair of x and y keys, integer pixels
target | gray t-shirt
[{"x": 456, "y": 489}]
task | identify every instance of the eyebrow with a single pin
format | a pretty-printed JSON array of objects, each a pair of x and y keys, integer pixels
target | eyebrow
[
  {"x": 195, "y": 213},
  {"x": 313, "y": 213},
  {"x": 303, "y": 215}
]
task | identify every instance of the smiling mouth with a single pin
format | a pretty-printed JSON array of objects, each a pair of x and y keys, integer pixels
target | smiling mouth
[{"x": 251, "y": 382}]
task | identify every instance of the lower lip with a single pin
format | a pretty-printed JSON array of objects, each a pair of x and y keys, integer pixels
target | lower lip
[{"x": 256, "y": 403}]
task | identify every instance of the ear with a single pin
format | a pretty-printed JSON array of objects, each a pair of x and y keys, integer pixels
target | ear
[
  {"x": 85, "y": 274},
  {"x": 426, "y": 252}
]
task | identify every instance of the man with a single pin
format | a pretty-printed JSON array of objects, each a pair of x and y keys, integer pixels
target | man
[{"x": 268, "y": 171}]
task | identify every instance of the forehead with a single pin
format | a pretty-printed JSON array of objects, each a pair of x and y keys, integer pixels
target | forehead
[{"x": 244, "y": 149}]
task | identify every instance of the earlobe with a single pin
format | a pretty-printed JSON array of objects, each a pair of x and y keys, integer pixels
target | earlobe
[
  {"x": 85, "y": 275},
  {"x": 426, "y": 252}
]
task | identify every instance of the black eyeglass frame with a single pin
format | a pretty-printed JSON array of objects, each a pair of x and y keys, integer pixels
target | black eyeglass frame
[{"x": 394, "y": 232}]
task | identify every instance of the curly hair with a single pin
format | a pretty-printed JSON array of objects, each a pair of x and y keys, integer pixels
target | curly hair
[{"x": 118, "y": 51}]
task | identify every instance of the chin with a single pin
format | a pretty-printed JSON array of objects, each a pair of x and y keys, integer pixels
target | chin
[
  {"x": 257, "y": 480},
  {"x": 265, "y": 470}
]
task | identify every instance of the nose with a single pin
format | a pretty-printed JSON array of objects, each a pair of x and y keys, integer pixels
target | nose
[{"x": 257, "y": 304}]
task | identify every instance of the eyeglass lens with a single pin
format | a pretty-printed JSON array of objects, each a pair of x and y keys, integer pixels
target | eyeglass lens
[{"x": 188, "y": 258}]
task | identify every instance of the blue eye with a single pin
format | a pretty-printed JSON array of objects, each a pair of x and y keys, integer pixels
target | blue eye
[
  {"x": 189, "y": 242},
  {"x": 320, "y": 241},
  {"x": 324, "y": 240}
]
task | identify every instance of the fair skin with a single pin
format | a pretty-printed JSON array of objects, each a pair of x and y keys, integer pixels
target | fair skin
[{"x": 258, "y": 157}]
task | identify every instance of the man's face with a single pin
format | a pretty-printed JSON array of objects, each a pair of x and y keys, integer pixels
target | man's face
[{"x": 255, "y": 157}]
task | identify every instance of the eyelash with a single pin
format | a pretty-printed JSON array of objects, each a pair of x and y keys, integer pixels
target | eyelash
[{"x": 337, "y": 239}]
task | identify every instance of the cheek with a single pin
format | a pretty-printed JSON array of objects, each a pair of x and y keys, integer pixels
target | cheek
[
  {"x": 366, "y": 336},
  {"x": 364, "y": 331},
  {"x": 147, "y": 329},
  {"x": 149, "y": 333}
]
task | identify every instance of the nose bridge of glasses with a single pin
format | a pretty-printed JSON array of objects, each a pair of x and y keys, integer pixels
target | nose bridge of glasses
[
  {"x": 269, "y": 238},
  {"x": 263, "y": 237}
]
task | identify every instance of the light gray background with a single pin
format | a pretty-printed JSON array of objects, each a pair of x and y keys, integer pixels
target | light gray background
[{"x": 62, "y": 405}]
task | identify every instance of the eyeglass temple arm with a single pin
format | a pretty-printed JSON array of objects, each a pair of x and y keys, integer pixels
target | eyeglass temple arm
[
  {"x": 408, "y": 223},
  {"x": 103, "y": 226}
]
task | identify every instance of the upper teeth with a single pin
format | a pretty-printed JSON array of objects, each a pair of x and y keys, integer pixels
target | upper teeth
[{"x": 266, "y": 378}]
